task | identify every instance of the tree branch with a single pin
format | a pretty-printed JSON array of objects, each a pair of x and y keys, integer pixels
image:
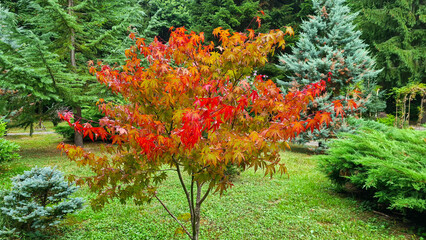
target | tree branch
[
  {"x": 205, "y": 196},
  {"x": 191, "y": 209},
  {"x": 173, "y": 216},
  {"x": 192, "y": 190}
]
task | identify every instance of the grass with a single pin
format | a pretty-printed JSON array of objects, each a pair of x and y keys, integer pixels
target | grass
[{"x": 302, "y": 205}]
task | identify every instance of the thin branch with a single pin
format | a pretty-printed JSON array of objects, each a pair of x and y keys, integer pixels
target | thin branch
[
  {"x": 192, "y": 192},
  {"x": 184, "y": 188},
  {"x": 205, "y": 196},
  {"x": 173, "y": 216},
  {"x": 192, "y": 204}
]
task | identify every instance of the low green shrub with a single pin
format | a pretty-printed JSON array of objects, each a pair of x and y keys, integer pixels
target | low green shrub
[
  {"x": 386, "y": 163},
  {"x": 8, "y": 150},
  {"x": 66, "y": 131},
  {"x": 39, "y": 199},
  {"x": 389, "y": 120}
]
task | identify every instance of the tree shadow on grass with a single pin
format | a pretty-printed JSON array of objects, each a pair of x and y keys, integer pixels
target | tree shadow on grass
[{"x": 302, "y": 149}]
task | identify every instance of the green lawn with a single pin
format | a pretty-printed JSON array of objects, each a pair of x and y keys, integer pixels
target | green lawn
[{"x": 302, "y": 205}]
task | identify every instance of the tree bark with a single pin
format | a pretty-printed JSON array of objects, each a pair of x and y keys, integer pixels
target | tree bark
[
  {"x": 78, "y": 137},
  {"x": 72, "y": 54},
  {"x": 197, "y": 211}
]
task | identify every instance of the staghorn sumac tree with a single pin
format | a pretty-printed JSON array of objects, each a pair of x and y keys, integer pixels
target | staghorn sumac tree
[{"x": 191, "y": 109}]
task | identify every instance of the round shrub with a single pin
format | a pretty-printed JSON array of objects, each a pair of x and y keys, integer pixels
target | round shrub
[{"x": 39, "y": 198}]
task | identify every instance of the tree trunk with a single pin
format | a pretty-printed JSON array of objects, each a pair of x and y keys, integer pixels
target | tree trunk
[
  {"x": 78, "y": 137},
  {"x": 196, "y": 216},
  {"x": 72, "y": 54},
  {"x": 197, "y": 210}
]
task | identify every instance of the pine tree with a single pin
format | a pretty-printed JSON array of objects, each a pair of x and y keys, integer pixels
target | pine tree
[
  {"x": 39, "y": 199},
  {"x": 229, "y": 14},
  {"x": 330, "y": 49},
  {"x": 28, "y": 73},
  {"x": 395, "y": 30},
  {"x": 54, "y": 40},
  {"x": 164, "y": 14}
]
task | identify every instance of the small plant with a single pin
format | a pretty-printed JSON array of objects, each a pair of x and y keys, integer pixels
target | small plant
[
  {"x": 39, "y": 199},
  {"x": 8, "y": 150}
]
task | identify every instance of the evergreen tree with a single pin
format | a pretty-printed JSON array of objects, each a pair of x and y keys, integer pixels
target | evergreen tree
[
  {"x": 164, "y": 14},
  {"x": 330, "y": 48},
  {"x": 39, "y": 199},
  {"x": 280, "y": 13},
  {"x": 395, "y": 31},
  {"x": 228, "y": 14},
  {"x": 54, "y": 40},
  {"x": 27, "y": 73}
]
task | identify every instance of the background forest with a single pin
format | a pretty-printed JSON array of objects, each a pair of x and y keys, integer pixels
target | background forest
[{"x": 45, "y": 45}]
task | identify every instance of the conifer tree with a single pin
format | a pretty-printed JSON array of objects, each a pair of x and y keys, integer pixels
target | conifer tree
[
  {"x": 395, "y": 30},
  {"x": 330, "y": 48},
  {"x": 229, "y": 14},
  {"x": 28, "y": 73},
  {"x": 54, "y": 40},
  {"x": 396, "y": 33}
]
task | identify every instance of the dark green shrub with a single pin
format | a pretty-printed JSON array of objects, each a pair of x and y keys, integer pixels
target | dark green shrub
[
  {"x": 39, "y": 199},
  {"x": 386, "y": 162},
  {"x": 66, "y": 131},
  {"x": 8, "y": 150}
]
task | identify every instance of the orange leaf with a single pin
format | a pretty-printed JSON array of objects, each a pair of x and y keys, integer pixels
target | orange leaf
[
  {"x": 132, "y": 36},
  {"x": 325, "y": 118}
]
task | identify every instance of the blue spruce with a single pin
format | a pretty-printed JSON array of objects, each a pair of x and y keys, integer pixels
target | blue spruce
[
  {"x": 330, "y": 47},
  {"x": 39, "y": 199}
]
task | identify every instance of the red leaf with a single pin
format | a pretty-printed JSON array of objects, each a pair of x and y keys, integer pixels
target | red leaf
[
  {"x": 338, "y": 108},
  {"x": 258, "y": 21}
]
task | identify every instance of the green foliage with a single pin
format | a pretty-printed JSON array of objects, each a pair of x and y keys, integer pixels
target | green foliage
[
  {"x": 329, "y": 43},
  {"x": 404, "y": 97},
  {"x": 65, "y": 131},
  {"x": 39, "y": 199},
  {"x": 386, "y": 162},
  {"x": 164, "y": 14},
  {"x": 395, "y": 31},
  {"x": 228, "y": 14},
  {"x": 389, "y": 120},
  {"x": 8, "y": 150}
]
